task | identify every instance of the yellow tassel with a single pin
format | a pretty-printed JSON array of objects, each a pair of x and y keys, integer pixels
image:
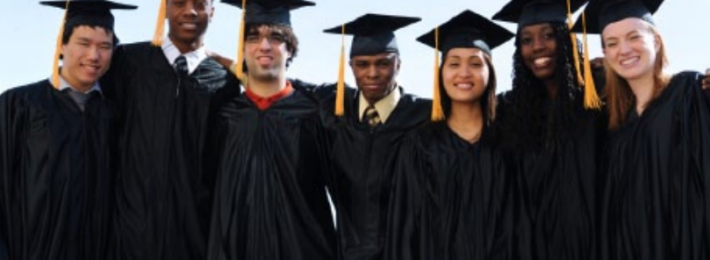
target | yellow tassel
[
  {"x": 340, "y": 94},
  {"x": 591, "y": 99},
  {"x": 239, "y": 71},
  {"x": 159, "y": 26},
  {"x": 58, "y": 49},
  {"x": 437, "y": 113},
  {"x": 575, "y": 53}
]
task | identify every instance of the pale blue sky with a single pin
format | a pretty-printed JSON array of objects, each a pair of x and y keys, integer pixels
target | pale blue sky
[{"x": 30, "y": 30}]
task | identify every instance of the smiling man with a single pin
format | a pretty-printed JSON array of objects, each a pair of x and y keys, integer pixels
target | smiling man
[
  {"x": 376, "y": 118},
  {"x": 56, "y": 183},
  {"x": 166, "y": 93},
  {"x": 270, "y": 198}
]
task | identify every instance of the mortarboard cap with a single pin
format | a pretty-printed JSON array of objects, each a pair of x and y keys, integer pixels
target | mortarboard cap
[
  {"x": 82, "y": 12},
  {"x": 269, "y": 11},
  {"x": 465, "y": 30},
  {"x": 528, "y": 12},
  {"x": 89, "y": 12},
  {"x": 373, "y": 33},
  {"x": 599, "y": 13}
]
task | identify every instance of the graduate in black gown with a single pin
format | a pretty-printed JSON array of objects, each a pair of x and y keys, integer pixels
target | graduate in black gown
[
  {"x": 655, "y": 201},
  {"x": 270, "y": 198},
  {"x": 166, "y": 93},
  {"x": 368, "y": 125},
  {"x": 451, "y": 199},
  {"x": 56, "y": 183},
  {"x": 550, "y": 139}
]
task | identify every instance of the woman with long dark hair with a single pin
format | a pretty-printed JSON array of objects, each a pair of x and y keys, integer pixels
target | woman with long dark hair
[
  {"x": 655, "y": 202},
  {"x": 550, "y": 140},
  {"x": 449, "y": 172}
]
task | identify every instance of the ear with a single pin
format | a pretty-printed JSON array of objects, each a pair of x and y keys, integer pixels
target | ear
[
  {"x": 657, "y": 43},
  {"x": 211, "y": 14}
]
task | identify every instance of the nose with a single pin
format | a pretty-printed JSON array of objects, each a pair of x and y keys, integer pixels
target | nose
[
  {"x": 264, "y": 44},
  {"x": 93, "y": 53},
  {"x": 371, "y": 72},
  {"x": 538, "y": 44},
  {"x": 190, "y": 9},
  {"x": 624, "y": 47}
]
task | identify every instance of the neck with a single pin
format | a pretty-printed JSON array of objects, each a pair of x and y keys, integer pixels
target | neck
[
  {"x": 643, "y": 91},
  {"x": 466, "y": 120},
  {"x": 83, "y": 88},
  {"x": 185, "y": 47},
  {"x": 266, "y": 87}
]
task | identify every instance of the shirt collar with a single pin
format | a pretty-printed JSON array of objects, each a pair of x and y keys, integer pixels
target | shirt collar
[
  {"x": 194, "y": 58},
  {"x": 63, "y": 84},
  {"x": 384, "y": 106}
]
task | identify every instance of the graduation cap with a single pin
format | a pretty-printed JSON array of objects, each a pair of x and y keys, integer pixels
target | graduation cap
[
  {"x": 268, "y": 11},
  {"x": 599, "y": 14},
  {"x": 465, "y": 30},
  {"x": 528, "y": 12},
  {"x": 82, "y": 12},
  {"x": 373, "y": 34}
]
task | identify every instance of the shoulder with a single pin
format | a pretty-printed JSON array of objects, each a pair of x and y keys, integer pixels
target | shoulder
[{"x": 15, "y": 97}]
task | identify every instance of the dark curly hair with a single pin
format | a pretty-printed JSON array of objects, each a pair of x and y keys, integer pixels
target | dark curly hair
[{"x": 527, "y": 111}]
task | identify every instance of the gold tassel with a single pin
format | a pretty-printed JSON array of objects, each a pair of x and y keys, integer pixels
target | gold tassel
[
  {"x": 591, "y": 99},
  {"x": 437, "y": 113},
  {"x": 239, "y": 71},
  {"x": 575, "y": 52},
  {"x": 159, "y": 26},
  {"x": 340, "y": 94},
  {"x": 58, "y": 49}
]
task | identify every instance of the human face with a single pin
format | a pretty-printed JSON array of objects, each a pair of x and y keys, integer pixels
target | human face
[
  {"x": 630, "y": 48},
  {"x": 188, "y": 19},
  {"x": 375, "y": 74},
  {"x": 539, "y": 49},
  {"x": 465, "y": 74},
  {"x": 86, "y": 56},
  {"x": 266, "y": 53}
]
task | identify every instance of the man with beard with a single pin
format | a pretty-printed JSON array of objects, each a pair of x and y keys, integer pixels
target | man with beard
[{"x": 270, "y": 199}]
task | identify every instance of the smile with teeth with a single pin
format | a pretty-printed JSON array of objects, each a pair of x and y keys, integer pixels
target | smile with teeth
[
  {"x": 188, "y": 25},
  {"x": 542, "y": 61},
  {"x": 629, "y": 61},
  {"x": 463, "y": 85}
]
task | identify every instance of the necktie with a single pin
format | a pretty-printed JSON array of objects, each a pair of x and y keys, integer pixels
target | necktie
[
  {"x": 181, "y": 66},
  {"x": 371, "y": 117},
  {"x": 79, "y": 98}
]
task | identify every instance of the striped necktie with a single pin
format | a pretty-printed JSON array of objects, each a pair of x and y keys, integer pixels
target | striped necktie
[{"x": 371, "y": 117}]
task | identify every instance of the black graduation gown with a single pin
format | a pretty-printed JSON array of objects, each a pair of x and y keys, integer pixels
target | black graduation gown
[
  {"x": 450, "y": 199},
  {"x": 163, "y": 190},
  {"x": 363, "y": 162},
  {"x": 556, "y": 185},
  {"x": 56, "y": 193},
  {"x": 656, "y": 201},
  {"x": 270, "y": 198}
]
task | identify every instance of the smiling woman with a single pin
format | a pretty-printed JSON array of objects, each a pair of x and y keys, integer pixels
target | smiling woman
[{"x": 655, "y": 198}]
